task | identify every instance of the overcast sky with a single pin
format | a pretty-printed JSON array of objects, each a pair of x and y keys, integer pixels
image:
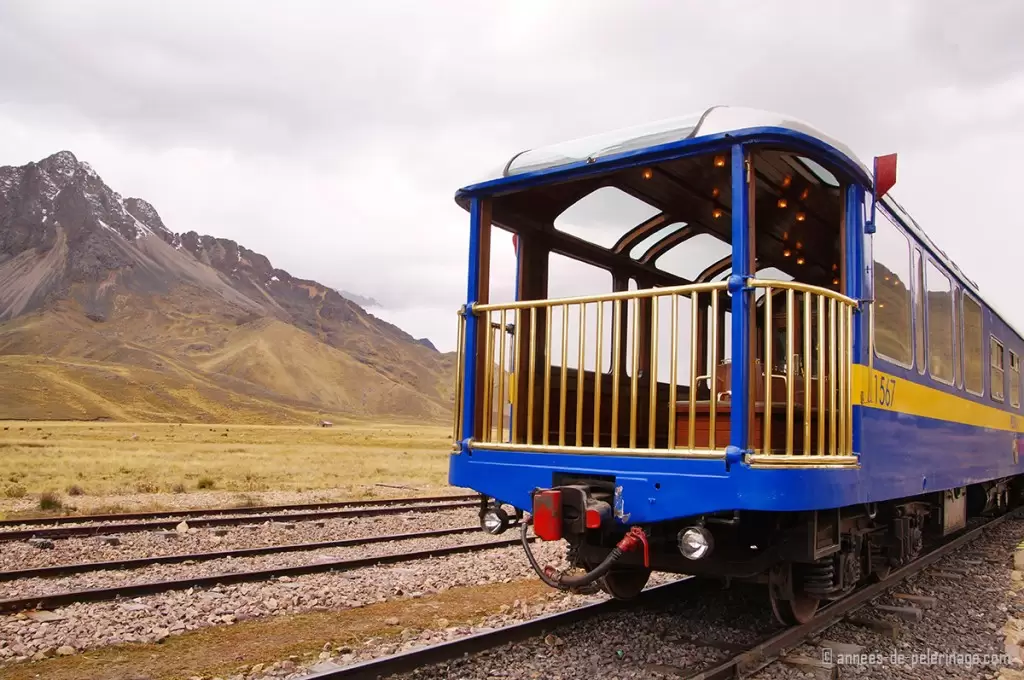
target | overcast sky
[{"x": 331, "y": 136}]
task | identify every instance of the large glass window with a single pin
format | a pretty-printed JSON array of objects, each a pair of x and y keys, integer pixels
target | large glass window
[
  {"x": 1014, "y": 380},
  {"x": 974, "y": 379},
  {"x": 919, "y": 311},
  {"x": 891, "y": 252},
  {"x": 603, "y": 216},
  {"x": 940, "y": 324},
  {"x": 996, "y": 375}
]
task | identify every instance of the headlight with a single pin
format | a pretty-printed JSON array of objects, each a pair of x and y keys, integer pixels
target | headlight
[
  {"x": 494, "y": 521},
  {"x": 695, "y": 542}
]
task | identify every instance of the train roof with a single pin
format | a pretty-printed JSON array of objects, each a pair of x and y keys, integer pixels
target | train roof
[{"x": 717, "y": 121}]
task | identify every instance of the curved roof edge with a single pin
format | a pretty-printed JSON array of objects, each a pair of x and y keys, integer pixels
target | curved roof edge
[{"x": 715, "y": 120}]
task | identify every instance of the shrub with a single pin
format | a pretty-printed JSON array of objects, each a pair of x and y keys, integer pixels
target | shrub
[
  {"x": 146, "y": 486},
  {"x": 49, "y": 500},
  {"x": 15, "y": 491},
  {"x": 75, "y": 490},
  {"x": 179, "y": 488},
  {"x": 205, "y": 483}
]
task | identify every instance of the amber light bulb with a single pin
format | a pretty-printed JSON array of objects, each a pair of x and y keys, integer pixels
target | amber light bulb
[
  {"x": 719, "y": 161},
  {"x": 716, "y": 213},
  {"x": 804, "y": 194},
  {"x": 799, "y": 260},
  {"x": 786, "y": 253},
  {"x": 786, "y": 181},
  {"x": 647, "y": 173},
  {"x": 715, "y": 192},
  {"x": 783, "y": 203},
  {"x": 800, "y": 217},
  {"x": 835, "y": 282}
]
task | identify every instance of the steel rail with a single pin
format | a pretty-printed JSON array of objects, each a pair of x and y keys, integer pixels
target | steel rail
[
  {"x": 212, "y": 512},
  {"x": 768, "y": 651},
  {"x": 85, "y": 567},
  {"x": 406, "y": 662},
  {"x": 153, "y": 525},
  {"x": 55, "y": 600},
  {"x": 665, "y": 595}
]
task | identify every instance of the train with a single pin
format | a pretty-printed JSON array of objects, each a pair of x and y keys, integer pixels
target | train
[{"x": 765, "y": 369}]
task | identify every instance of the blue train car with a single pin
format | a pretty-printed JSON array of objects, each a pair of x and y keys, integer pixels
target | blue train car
[{"x": 764, "y": 368}]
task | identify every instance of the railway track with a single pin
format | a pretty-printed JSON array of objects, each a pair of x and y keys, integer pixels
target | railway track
[
  {"x": 740, "y": 664},
  {"x": 51, "y": 601},
  {"x": 212, "y": 512},
  {"x": 85, "y": 567},
  {"x": 215, "y": 521}
]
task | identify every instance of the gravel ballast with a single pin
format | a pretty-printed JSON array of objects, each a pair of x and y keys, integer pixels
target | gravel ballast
[
  {"x": 691, "y": 635},
  {"x": 22, "y": 555},
  {"x": 154, "y": 617}
]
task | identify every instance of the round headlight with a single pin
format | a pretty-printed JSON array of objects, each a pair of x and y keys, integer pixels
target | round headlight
[
  {"x": 494, "y": 521},
  {"x": 695, "y": 542}
]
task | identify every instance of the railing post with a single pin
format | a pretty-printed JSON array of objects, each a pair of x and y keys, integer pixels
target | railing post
[
  {"x": 741, "y": 296},
  {"x": 478, "y": 223}
]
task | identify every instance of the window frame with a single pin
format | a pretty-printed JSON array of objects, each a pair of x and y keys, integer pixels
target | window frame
[
  {"x": 874, "y": 292},
  {"x": 965, "y": 295},
  {"x": 994, "y": 342},
  {"x": 920, "y": 349},
  {"x": 952, "y": 323},
  {"x": 1014, "y": 370}
]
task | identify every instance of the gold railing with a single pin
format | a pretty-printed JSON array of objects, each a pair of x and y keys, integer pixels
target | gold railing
[
  {"x": 646, "y": 373},
  {"x": 818, "y": 364}
]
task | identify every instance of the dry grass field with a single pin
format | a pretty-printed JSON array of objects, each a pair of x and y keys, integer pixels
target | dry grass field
[{"x": 86, "y": 460}]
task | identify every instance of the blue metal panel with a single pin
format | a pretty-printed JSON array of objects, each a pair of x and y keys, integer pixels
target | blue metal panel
[
  {"x": 905, "y": 456},
  {"x": 739, "y": 416},
  {"x": 472, "y": 291},
  {"x": 855, "y": 273}
]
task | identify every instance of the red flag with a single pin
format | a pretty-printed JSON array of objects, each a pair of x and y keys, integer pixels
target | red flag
[{"x": 885, "y": 174}]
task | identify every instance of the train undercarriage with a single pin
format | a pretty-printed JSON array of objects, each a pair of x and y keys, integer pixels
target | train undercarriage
[{"x": 805, "y": 559}]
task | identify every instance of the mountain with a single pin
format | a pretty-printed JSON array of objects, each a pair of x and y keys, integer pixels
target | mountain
[
  {"x": 106, "y": 312},
  {"x": 363, "y": 302}
]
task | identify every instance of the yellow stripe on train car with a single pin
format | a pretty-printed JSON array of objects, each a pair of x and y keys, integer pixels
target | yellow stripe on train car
[{"x": 876, "y": 389}]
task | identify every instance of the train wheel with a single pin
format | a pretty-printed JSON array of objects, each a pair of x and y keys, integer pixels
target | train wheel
[
  {"x": 625, "y": 584},
  {"x": 800, "y": 609}
]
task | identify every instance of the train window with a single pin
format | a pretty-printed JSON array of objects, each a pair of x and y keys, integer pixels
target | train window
[
  {"x": 692, "y": 256},
  {"x": 958, "y": 370},
  {"x": 919, "y": 311},
  {"x": 996, "y": 371},
  {"x": 892, "y": 310},
  {"x": 603, "y": 216},
  {"x": 974, "y": 380},
  {"x": 1014, "y": 380},
  {"x": 940, "y": 324}
]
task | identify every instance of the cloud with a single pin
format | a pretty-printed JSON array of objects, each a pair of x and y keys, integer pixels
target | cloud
[{"x": 332, "y": 136}]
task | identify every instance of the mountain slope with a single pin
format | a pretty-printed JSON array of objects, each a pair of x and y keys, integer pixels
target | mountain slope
[{"x": 88, "y": 279}]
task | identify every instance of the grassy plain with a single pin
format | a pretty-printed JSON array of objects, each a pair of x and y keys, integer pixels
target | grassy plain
[{"x": 111, "y": 459}]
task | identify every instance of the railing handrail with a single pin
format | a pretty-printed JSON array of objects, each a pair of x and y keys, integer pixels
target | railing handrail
[
  {"x": 801, "y": 288},
  {"x": 603, "y": 297}
]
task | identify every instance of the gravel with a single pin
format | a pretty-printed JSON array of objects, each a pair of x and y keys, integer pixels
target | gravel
[
  {"x": 695, "y": 633},
  {"x": 35, "y": 587},
  {"x": 143, "y": 502},
  {"x": 968, "y": 619},
  {"x": 23, "y": 555},
  {"x": 154, "y": 617}
]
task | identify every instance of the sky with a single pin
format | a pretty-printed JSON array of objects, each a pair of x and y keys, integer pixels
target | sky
[{"x": 331, "y": 136}]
